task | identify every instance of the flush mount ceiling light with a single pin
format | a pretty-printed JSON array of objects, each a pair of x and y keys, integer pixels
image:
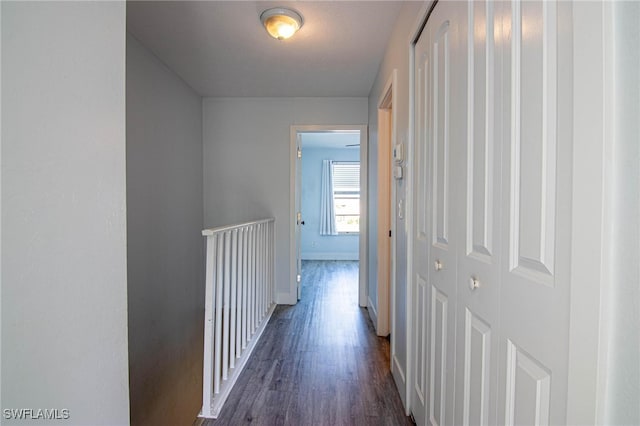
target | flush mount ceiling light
[{"x": 281, "y": 23}]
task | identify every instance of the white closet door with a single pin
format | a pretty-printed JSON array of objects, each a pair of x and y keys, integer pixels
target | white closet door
[
  {"x": 441, "y": 289},
  {"x": 440, "y": 110},
  {"x": 479, "y": 242},
  {"x": 534, "y": 295},
  {"x": 421, "y": 220},
  {"x": 445, "y": 111}
]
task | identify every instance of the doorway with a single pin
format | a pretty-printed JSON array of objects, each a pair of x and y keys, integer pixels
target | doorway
[
  {"x": 345, "y": 150},
  {"x": 382, "y": 306}
]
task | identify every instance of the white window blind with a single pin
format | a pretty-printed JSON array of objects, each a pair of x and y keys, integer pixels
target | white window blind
[
  {"x": 346, "y": 196},
  {"x": 346, "y": 177}
]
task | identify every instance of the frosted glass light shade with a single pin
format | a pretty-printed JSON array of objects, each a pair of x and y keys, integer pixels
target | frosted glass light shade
[{"x": 281, "y": 23}]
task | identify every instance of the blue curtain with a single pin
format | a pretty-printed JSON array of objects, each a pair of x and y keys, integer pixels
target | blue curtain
[{"x": 327, "y": 213}]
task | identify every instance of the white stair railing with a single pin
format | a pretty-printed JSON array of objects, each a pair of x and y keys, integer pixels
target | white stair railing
[{"x": 239, "y": 302}]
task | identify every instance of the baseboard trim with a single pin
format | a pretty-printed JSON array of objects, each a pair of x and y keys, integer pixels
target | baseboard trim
[
  {"x": 373, "y": 313},
  {"x": 399, "y": 378}
]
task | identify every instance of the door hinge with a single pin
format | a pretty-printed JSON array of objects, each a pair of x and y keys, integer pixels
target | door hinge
[
  {"x": 298, "y": 218},
  {"x": 298, "y": 278},
  {"x": 389, "y": 232},
  {"x": 299, "y": 152}
]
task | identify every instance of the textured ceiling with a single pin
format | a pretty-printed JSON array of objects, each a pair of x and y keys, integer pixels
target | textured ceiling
[{"x": 221, "y": 49}]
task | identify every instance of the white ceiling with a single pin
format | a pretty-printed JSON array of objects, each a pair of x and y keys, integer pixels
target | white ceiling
[{"x": 221, "y": 49}]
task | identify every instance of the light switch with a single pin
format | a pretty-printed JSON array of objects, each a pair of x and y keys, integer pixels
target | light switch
[{"x": 397, "y": 172}]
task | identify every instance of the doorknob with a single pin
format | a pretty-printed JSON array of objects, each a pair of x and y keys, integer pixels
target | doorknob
[
  {"x": 438, "y": 265},
  {"x": 474, "y": 283}
]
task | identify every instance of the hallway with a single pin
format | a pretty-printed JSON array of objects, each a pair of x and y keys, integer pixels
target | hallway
[{"x": 318, "y": 362}]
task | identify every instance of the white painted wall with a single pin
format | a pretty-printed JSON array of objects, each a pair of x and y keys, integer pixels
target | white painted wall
[
  {"x": 247, "y": 166},
  {"x": 313, "y": 245},
  {"x": 64, "y": 294},
  {"x": 396, "y": 57},
  {"x": 165, "y": 246}
]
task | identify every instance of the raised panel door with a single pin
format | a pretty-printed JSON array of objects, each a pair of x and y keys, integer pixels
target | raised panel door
[
  {"x": 480, "y": 252},
  {"x": 534, "y": 296}
]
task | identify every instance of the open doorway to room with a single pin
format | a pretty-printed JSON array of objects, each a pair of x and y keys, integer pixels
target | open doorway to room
[{"x": 329, "y": 176}]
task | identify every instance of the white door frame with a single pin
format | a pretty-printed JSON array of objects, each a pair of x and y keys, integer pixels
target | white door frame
[
  {"x": 364, "y": 210},
  {"x": 386, "y": 271}
]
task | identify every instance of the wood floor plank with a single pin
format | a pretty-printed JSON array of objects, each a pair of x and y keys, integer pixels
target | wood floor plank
[{"x": 318, "y": 362}]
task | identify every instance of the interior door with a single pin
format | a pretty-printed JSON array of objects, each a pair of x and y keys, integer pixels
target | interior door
[
  {"x": 447, "y": 111},
  {"x": 440, "y": 107},
  {"x": 493, "y": 213},
  {"x": 418, "y": 381},
  {"x": 536, "y": 201},
  {"x": 480, "y": 252}
]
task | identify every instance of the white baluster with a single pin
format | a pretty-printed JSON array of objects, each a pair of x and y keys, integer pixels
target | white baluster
[
  {"x": 264, "y": 272},
  {"x": 225, "y": 323},
  {"x": 234, "y": 291},
  {"x": 269, "y": 267},
  {"x": 259, "y": 274},
  {"x": 245, "y": 287},
  {"x": 256, "y": 252},
  {"x": 255, "y": 279},
  {"x": 239, "y": 298},
  {"x": 251, "y": 281},
  {"x": 273, "y": 263},
  {"x": 218, "y": 311},
  {"x": 207, "y": 390}
]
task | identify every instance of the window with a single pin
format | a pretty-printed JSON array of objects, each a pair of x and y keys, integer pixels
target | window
[{"x": 346, "y": 196}]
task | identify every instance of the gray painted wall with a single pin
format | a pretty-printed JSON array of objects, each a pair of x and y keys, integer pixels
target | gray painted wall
[
  {"x": 165, "y": 246},
  {"x": 396, "y": 57},
  {"x": 1, "y": 102},
  {"x": 247, "y": 161},
  {"x": 313, "y": 245},
  {"x": 64, "y": 295}
]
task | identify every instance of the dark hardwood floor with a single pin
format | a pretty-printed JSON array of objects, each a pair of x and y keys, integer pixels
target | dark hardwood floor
[{"x": 318, "y": 362}]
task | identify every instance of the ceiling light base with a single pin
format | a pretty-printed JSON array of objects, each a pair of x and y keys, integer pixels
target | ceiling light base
[{"x": 281, "y": 23}]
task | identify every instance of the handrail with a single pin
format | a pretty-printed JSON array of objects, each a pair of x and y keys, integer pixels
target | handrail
[
  {"x": 239, "y": 300},
  {"x": 211, "y": 231}
]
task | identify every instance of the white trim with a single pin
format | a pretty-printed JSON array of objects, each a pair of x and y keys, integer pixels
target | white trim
[
  {"x": 329, "y": 256},
  {"x": 363, "y": 245},
  {"x": 397, "y": 369},
  {"x": 210, "y": 231},
  {"x": 387, "y": 206},
  {"x": 293, "y": 263},
  {"x": 373, "y": 314},
  {"x": 363, "y": 240},
  {"x": 587, "y": 363},
  {"x": 410, "y": 218}
]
